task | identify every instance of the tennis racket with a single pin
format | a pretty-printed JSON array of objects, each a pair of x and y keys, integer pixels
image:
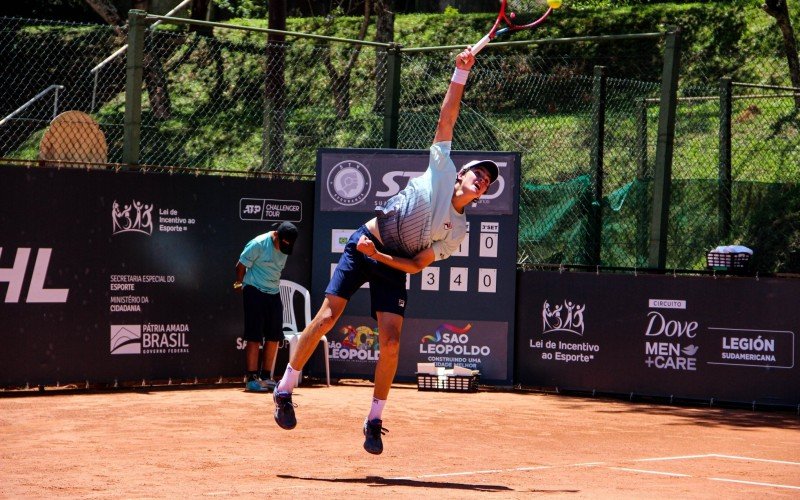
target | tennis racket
[{"x": 517, "y": 15}]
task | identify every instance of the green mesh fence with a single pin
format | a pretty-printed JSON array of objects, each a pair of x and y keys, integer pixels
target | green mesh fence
[
  {"x": 233, "y": 103},
  {"x": 723, "y": 201}
]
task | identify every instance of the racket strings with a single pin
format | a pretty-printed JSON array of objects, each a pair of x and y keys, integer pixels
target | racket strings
[{"x": 522, "y": 12}]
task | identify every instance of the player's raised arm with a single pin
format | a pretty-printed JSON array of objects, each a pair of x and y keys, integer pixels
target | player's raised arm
[{"x": 452, "y": 100}]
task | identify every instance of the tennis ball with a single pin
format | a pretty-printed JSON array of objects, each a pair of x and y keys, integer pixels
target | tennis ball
[{"x": 554, "y": 4}]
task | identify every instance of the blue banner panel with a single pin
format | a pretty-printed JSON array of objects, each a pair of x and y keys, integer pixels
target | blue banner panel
[
  {"x": 128, "y": 276},
  {"x": 461, "y": 309},
  {"x": 727, "y": 339}
]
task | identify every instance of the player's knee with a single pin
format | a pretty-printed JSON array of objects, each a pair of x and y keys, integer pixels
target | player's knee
[
  {"x": 390, "y": 346},
  {"x": 324, "y": 320}
]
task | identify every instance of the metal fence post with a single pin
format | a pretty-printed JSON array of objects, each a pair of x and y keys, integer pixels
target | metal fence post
[
  {"x": 662, "y": 170},
  {"x": 133, "y": 88},
  {"x": 641, "y": 138},
  {"x": 55, "y": 101},
  {"x": 391, "y": 108},
  {"x": 725, "y": 178},
  {"x": 595, "y": 235},
  {"x": 642, "y": 176}
]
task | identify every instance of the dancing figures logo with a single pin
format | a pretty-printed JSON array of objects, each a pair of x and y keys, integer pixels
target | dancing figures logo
[
  {"x": 134, "y": 217},
  {"x": 566, "y": 317}
]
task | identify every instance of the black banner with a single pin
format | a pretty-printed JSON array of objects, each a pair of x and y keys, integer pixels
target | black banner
[
  {"x": 128, "y": 276},
  {"x": 727, "y": 339}
]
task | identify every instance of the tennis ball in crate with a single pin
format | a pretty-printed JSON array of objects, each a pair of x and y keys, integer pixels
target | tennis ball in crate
[{"x": 554, "y": 4}]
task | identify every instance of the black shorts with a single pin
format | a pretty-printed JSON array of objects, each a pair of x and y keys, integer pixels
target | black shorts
[
  {"x": 387, "y": 286},
  {"x": 263, "y": 315}
]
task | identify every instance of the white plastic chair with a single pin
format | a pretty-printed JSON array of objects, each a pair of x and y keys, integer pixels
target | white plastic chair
[{"x": 291, "y": 332}]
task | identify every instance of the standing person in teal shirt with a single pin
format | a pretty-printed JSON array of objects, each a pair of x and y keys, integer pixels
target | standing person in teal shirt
[{"x": 258, "y": 276}]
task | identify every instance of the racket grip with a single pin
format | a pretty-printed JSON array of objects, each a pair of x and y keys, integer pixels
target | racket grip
[{"x": 480, "y": 45}]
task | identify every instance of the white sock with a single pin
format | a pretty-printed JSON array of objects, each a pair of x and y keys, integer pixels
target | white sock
[
  {"x": 288, "y": 381},
  {"x": 376, "y": 409}
]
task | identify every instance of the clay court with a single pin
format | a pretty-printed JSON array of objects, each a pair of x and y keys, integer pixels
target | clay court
[{"x": 222, "y": 442}]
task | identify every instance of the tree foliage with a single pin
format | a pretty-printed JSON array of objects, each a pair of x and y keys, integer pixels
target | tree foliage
[{"x": 780, "y": 11}]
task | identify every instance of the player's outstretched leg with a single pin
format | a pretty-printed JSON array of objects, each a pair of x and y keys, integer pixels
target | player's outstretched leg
[
  {"x": 284, "y": 410},
  {"x": 373, "y": 429},
  {"x": 390, "y": 325}
]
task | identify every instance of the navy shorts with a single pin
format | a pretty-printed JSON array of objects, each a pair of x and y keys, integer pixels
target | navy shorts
[
  {"x": 263, "y": 315},
  {"x": 387, "y": 286}
]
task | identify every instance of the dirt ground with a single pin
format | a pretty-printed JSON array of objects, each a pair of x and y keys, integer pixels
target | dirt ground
[{"x": 223, "y": 442}]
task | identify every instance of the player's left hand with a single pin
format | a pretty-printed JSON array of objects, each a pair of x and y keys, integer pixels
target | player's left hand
[{"x": 366, "y": 246}]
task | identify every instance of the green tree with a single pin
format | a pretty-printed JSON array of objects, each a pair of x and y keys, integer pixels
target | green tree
[
  {"x": 780, "y": 11},
  {"x": 384, "y": 33},
  {"x": 340, "y": 81},
  {"x": 154, "y": 77},
  {"x": 273, "y": 144}
]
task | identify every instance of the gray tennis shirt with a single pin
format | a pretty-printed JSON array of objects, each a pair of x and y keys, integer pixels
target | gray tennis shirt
[{"x": 422, "y": 214}]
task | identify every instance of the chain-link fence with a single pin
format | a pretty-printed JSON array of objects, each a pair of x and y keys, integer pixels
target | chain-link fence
[
  {"x": 735, "y": 174},
  {"x": 232, "y": 102},
  {"x": 583, "y": 113}
]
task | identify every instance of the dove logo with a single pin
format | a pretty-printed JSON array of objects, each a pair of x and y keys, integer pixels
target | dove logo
[
  {"x": 670, "y": 354},
  {"x": 659, "y": 325}
]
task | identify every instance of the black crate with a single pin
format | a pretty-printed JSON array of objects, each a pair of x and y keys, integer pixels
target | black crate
[
  {"x": 734, "y": 262},
  {"x": 448, "y": 383}
]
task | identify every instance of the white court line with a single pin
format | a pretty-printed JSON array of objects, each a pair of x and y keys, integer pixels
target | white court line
[
  {"x": 734, "y": 457},
  {"x": 684, "y": 457},
  {"x": 642, "y": 471},
  {"x": 448, "y": 474},
  {"x": 626, "y": 469},
  {"x": 465, "y": 473},
  {"x": 753, "y": 483},
  {"x": 717, "y": 455},
  {"x": 493, "y": 471},
  {"x": 470, "y": 473}
]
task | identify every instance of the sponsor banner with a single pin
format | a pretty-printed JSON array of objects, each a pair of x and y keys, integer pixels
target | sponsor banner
[
  {"x": 473, "y": 344},
  {"x": 354, "y": 346},
  {"x": 150, "y": 339},
  {"x": 257, "y": 209},
  {"x": 360, "y": 180},
  {"x": 699, "y": 338},
  {"x": 462, "y": 306},
  {"x": 120, "y": 275},
  {"x": 753, "y": 348}
]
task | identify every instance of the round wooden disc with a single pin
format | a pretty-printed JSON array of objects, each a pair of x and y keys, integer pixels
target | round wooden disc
[{"x": 73, "y": 139}]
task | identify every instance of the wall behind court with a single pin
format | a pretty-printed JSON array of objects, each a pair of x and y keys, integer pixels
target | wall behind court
[
  {"x": 726, "y": 339},
  {"x": 127, "y": 276}
]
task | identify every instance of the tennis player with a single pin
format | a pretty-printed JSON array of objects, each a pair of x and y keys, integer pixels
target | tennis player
[{"x": 423, "y": 223}]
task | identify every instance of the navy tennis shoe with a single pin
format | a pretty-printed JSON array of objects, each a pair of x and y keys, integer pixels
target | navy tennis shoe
[
  {"x": 373, "y": 429},
  {"x": 284, "y": 410}
]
